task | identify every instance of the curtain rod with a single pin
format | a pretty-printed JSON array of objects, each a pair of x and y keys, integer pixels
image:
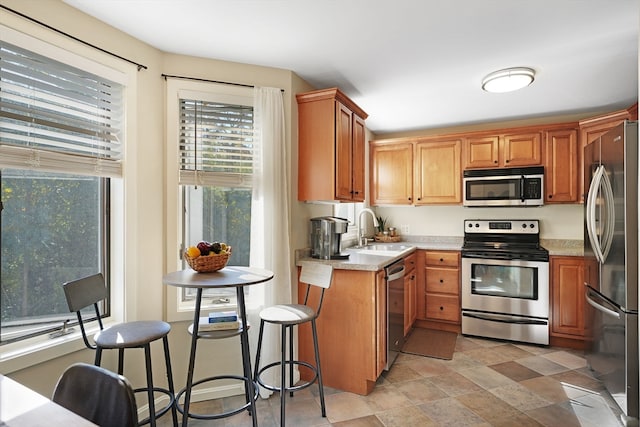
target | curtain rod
[
  {"x": 140, "y": 66},
  {"x": 166, "y": 76}
]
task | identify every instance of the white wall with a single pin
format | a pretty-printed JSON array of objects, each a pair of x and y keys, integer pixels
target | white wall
[{"x": 556, "y": 221}]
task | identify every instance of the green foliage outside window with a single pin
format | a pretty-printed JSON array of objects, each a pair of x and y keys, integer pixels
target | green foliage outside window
[{"x": 50, "y": 233}]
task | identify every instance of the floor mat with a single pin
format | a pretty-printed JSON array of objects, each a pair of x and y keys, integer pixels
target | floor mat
[{"x": 431, "y": 343}]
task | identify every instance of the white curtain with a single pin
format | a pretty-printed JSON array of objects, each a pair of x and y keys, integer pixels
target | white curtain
[{"x": 270, "y": 237}]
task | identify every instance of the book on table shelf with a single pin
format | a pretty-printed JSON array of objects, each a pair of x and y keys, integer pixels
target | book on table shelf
[
  {"x": 205, "y": 325},
  {"x": 223, "y": 316}
]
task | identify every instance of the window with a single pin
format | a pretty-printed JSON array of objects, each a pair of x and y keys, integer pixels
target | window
[
  {"x": 348, "y": 211},
  {"x": 214, "y": 138},
  {"x": 60, "y": 147}
]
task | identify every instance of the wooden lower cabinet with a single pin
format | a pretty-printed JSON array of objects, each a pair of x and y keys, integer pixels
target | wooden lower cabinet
[
  {"x": 570, "y": 313},
  {"x": 438, "y": 303},
  {"x": 410, "y": 292},
  {"x": 351, "y": 331}
]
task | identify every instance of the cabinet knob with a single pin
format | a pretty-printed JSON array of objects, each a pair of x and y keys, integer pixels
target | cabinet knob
[
  {"x": 441, "y": 260},
  {"x": 441, "y": 308},
  {"x": 419, "y": 198},
  {"x": 441, "y": 281},
  {"x": 495, "y": 161},
  {"x": 551, "y": 196},
  {"x": 409, "y": 198},
  {"x": 506, "y": 161}
]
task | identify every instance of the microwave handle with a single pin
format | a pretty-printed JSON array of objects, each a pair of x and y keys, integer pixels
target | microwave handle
[{"x": 522, "y": 184}]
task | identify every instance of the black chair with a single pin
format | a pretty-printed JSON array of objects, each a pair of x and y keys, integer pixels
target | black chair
[
  {"x": 91, "y": 290},
  {"x": 97, "y": 394},
  {"x": 288, "y": 316}
]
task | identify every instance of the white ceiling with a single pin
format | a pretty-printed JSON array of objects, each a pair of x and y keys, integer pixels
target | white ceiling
[{"x": 411, "y": 64}]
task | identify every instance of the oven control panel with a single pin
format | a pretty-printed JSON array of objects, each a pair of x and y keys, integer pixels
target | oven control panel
[{"x": 502, "y": 226}]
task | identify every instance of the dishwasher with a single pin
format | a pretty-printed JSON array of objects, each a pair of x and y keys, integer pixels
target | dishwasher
[{"x": 394, "y": 275}]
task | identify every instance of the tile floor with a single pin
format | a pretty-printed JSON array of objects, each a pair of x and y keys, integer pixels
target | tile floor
[{"x": 488, "y": 383}]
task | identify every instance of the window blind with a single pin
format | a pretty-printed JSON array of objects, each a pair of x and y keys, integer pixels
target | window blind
[
  {"x": 216, "y": 143},
  {"x": 57, "y": 117}
]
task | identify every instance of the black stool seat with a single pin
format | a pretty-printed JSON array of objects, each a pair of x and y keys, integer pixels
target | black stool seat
[{"x": 132, "y": 334}]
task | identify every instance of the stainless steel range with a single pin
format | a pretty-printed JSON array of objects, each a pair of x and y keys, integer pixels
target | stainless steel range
[{"x": 505, "y": 281}]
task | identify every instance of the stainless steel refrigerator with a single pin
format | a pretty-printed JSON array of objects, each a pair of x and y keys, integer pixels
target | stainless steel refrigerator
[{"x": 611, "y": 250}]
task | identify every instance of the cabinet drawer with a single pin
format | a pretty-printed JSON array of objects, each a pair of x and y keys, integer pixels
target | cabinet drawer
[
  {"x": 442, "y": 280},
  {"x": 441, "y": 307},
  {"x": 442, "y": 259},
  {"x": 410, "y": 263}
]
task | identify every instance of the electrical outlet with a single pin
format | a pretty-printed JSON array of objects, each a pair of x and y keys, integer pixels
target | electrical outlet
[{"x": 404, "y": 229}]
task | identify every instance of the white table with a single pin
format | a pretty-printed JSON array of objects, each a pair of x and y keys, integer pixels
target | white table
[{"x": 20, "y": 406}]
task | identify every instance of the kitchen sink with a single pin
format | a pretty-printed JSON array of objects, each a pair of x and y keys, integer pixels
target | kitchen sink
[{"x": 382, "y": 249}]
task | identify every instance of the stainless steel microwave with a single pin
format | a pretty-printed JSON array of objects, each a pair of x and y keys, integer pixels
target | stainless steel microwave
[{"x": 504, "y": 187}]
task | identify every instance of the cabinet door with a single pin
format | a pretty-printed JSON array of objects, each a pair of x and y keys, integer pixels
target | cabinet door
[
  {"x": 437, "y": 173},
  {"x": 568, "y": 301},
  {"x": 522, "y": 149},
  {"x": 344, "y": 153},
  {"x": 409, "y": 301},
  {"x": 561, "y": 166},
  {"x": 391, "y": 168},
  {"x": 357, "y": 164},
  {"x": 482, "y": 152},
  {"x": 381, "y": 322}
]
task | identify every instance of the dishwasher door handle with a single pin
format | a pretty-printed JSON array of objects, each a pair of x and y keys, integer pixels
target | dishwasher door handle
[{"x": 399, "y": 274}]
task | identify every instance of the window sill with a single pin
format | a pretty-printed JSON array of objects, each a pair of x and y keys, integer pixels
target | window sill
[{"x": 31, "y": 352}]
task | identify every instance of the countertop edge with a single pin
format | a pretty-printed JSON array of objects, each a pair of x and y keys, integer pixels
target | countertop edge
[{"x": 359, "y": 261}]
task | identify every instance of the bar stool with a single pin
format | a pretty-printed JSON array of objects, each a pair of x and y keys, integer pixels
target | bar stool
[
  {"x": 91, "y": 290},
  {"x": 288, "y": 316}
]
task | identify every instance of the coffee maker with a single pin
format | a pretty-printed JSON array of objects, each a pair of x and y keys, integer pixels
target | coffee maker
[{"x": 326, "y": 233}]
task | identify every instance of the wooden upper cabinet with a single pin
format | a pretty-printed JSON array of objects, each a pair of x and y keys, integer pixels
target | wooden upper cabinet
[
  {"x": 561, "y": 166},
  {"x": 482, "y": 152},
  {"x": 331, "y": 135},
  {"x": 508, "y": 150},
  {"x": 358, "y": 160},
  {"x": 437, "y": 172},
  {"x": 391, "y": 173},
  {"x": 522, "y": 149}
]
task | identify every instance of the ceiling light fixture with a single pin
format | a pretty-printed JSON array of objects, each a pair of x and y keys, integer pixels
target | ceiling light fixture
[{"x": 508, "y": 80}]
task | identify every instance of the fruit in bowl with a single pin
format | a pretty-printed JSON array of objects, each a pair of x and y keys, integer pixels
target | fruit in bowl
[{"x": 208, "y": 257}]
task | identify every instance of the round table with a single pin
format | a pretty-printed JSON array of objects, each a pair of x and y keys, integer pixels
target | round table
[{"x": 228, "y": 277}]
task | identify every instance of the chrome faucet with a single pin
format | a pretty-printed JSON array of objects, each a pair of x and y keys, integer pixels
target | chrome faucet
[{"x": 362, "y": 239}]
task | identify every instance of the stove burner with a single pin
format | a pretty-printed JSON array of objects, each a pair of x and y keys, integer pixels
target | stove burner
[{"x": 503, "y": 239}]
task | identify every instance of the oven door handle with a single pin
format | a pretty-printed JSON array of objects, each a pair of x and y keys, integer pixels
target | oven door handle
[{"x": 512, "y": 320}]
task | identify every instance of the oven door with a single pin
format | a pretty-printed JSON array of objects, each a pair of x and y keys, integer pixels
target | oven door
[{"x": 506, "y": 287}]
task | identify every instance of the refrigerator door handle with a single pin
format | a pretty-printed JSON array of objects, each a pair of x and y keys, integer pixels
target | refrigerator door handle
[
  {"x": 609, "y": 223},
  {"x": 600, "y": 181},
  {"x": 600, "y": 307}
]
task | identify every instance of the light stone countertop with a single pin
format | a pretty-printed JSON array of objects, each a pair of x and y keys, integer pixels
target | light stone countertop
[
  {"x": 361, "y": 260},
  {"x": 563, "y": 247}
]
